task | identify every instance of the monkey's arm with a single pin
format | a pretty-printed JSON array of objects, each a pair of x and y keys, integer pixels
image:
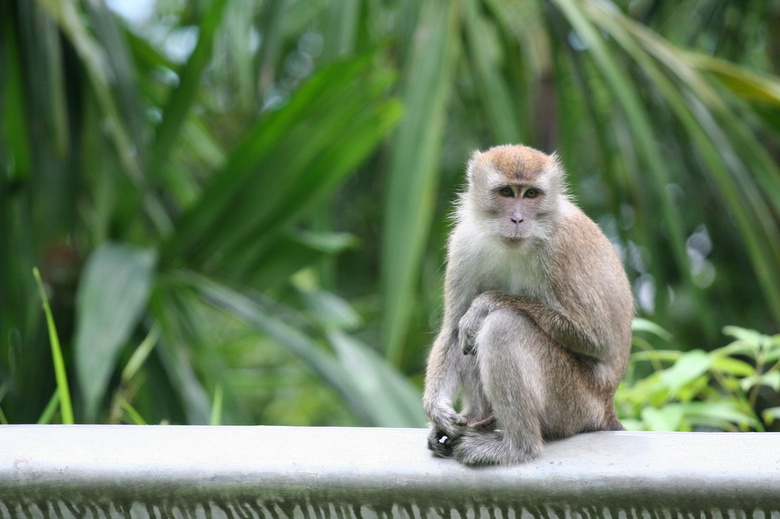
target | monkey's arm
[
  {"x": 442, "y": 380},
  {"x": 443, "y": 375},
  {"x": 566, "y": 330}
]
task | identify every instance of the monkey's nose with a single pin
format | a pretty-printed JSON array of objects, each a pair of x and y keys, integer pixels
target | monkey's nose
[{"x": 517, "y": 218}]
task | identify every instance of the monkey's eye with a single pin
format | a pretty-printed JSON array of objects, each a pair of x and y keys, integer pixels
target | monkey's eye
[
  {"x": 531, "y": 193},
  {"x": 507, "y": 192}
]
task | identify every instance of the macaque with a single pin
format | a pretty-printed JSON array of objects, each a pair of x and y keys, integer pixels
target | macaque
[{"x": 537, "y": 318}]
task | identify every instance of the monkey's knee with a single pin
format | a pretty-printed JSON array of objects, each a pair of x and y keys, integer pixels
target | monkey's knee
[
  {"x": 499, "y": 328},
  {"x": 508, "y": 341}
]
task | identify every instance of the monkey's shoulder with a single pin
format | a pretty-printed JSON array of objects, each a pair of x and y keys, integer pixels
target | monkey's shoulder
[
  {"x": 579, "y": 239},
  {"x": 586, "y": 268}
]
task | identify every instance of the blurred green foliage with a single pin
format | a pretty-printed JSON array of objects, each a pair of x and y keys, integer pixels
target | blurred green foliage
[
  {"x": 239, "y": 207},
  {"x": 716, "y": 390}
]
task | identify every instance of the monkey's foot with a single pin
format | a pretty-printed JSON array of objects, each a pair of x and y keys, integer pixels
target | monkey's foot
[
  {"x": 440, "y": 443},
  {"x": 478, "y": 448}
]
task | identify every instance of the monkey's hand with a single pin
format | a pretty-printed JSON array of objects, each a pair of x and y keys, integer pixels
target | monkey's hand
[
  {"x": 446, "y": 427},
  {"x": 472, "y": 320},
  {"x": 446, "y": 420}
]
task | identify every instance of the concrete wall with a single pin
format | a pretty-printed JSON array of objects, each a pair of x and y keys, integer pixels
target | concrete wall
[{"x": 359, "y": 473}]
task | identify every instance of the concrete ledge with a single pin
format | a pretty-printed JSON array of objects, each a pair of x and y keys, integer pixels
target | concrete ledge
[{"x": 356, "y": 473}]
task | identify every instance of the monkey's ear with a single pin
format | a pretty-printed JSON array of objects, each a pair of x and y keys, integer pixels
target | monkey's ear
[
  {"x": 471, "y": 164},
  {"x": 558, "y": 164}
]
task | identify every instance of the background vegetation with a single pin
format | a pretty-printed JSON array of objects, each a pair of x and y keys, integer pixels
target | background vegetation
[{"x": 238, "y": 207}]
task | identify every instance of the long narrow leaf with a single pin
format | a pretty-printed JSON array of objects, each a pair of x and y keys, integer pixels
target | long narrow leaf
[
  {"x": 642, "y": 135},
  {"x": 288, "y": 162},
  {"x": 63, "y": 389},
  {"x": 394, "y": 400},
  {"x": 757, "y": 224},
  {"x": 484, "y": 57},
  {"x": 399, "y": 408},
  {"x": 111, "y": 298},
  {"x": 118, "y": 59},
  {"x": 413, "y": 168},
  {"x": 101, "y": 77},
  {"x": 181, "y": 97},
  {"x": 286, "y": 255}
]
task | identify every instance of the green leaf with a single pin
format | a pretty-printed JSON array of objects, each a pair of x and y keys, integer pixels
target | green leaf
[
  {"x": 331, "y": 311},
  {"x": 743, "y": 82},
  {"x": 748, "y": 342},
  {"x": 373, "y": 390},
  {"x": 288, "y": 162},
  {"x": 744, "y": 173},
  {"x": 48, "y": 412},
  {"x": 667, "y": 418},
  {"x": 718, "y": 413},
  {"x": 732, "y": 366},
  {"x": 690, "y": 366},
  {"x": 656, "y": 355},
  {"x": 181, "y": 98},
  {"x": 98, "y": 69},
  {"x": 639, "y": 324},
  {"x": 123, "y": 83},
  {"x": 60, "y": 373},
  {"x": 770, "y": 379},
  {"x": 216, "y": 406},
  {"x": 746, "y": 335},
  {"x": 593, "y": 23},
  {"x": 393, "y": 401},
  {"x": 262, "y": 317},
  {"x": 772, "y": 353},
  {"x": 269, "y": 264},
  {"x": 632, "y": 424},
  {"x": 414, "y": 159},
  {"x": 771, "y": 414},
  {"x": 111, "y": 299},
  {"x": 485, "y": 57}
]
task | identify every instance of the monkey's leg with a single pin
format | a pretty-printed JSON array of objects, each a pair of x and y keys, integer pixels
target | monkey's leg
[
  {"x": 512, "y": 373},
  {"x": 537, "y": 391},
  {"x": 476, "y": 408}
]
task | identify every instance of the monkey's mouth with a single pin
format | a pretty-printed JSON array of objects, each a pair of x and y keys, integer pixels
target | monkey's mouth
[{"x": 513, "y": 238}]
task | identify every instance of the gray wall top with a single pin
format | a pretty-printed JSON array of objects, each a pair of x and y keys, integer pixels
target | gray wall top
[{"x": 302, "y": 472}]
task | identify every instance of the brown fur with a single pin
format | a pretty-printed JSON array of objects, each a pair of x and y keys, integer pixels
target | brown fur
[
  {"x": 537, "y": 299},
  {"x": 517, "y": 162}
]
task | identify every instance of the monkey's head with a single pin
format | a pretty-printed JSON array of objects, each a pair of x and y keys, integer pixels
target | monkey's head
[{"x": 514, "y": 193}]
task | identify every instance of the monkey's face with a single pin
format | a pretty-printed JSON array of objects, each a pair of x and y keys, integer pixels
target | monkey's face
[
  {"x": 518, "y": 210},
  {"x": 514, "y": 193}
]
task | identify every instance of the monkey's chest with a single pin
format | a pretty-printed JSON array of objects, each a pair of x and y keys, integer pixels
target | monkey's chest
[{"x": 518, "y": 276}]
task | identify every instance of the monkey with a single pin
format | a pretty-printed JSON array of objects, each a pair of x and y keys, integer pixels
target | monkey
[{"x": 536, "y": 331}]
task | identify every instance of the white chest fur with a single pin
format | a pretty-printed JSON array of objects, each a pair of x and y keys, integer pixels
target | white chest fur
[{"x": 514, "y": 269}]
